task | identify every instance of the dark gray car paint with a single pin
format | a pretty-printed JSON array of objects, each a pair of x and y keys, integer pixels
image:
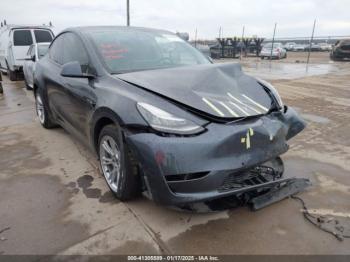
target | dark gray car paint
[
  {"x": 189, "y": 85},
  {"x": 218, "y": 151},
  {"x": 79, "y": 105}
]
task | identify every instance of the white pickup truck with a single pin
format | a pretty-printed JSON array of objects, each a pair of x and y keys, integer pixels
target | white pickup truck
[{"x": 15, "y": 41}]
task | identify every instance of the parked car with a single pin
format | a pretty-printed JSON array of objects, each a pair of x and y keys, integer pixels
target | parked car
[
  {"x": 313, "y": 48},
  {"x": 278, "y": 51},
  {"x": 14, "y": 44},
  {"x": 161, "y": 117},
  {"x": 34, "y": 54},
  {"x": 205, "y": 49},
  {"x": 341, "y": 50},
  {"x": 325, "y": 47},
  {"x": 289, "y": 46},
  {"x": 299, "y": 48}
]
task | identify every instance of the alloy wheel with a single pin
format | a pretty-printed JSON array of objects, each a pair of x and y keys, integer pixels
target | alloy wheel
[
  {"x": 110, "y": 159},
  {"x": 40, "y": 108}
]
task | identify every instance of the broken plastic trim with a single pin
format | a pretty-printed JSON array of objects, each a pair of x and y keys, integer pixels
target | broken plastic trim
[
  {"x": 281, "y": 191},
  {"x": 185, "y": 177}
]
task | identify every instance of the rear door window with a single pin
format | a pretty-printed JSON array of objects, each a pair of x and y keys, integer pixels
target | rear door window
[
  {"x": 22, "y": 38},
  {"x": 56, "y": 50},
  {"x": 42, "y": 36}
]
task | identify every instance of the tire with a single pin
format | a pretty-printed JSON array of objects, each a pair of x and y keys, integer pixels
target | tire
[
  {"x": 334, "y": 58},
  {"x": 26, "y": 84},
  {"x": 12, "y": 75},
  {"x": 125, "y": 184},
  {"x": 41, "y": 110}
]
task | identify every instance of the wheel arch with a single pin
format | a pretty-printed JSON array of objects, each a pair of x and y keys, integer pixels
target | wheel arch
[{"x": 101, "y": 118}]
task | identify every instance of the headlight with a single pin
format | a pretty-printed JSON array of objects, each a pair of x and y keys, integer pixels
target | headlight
[
  {"x": 273, "y": 91},
  {"x": 165, "y": 122}
]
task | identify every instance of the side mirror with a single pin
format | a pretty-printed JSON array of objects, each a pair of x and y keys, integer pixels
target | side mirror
[
  {"x": 73, "y": 69},
  {"x": 30, "y": 58}
]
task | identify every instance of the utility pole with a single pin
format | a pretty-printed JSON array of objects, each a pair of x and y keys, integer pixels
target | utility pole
[
  {"x": 195, "y": 39},
  {"x": 240, "y": 57},
  {"x": 127, "y": 13},
  {"x": 310, "y": 44},
  {"x": 273, "y": 40}
]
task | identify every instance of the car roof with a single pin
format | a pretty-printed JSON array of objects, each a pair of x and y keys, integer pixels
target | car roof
[{"x": 87, "y": 29}]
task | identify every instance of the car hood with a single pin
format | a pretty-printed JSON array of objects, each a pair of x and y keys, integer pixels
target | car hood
[{"x": 220, "y": 90}]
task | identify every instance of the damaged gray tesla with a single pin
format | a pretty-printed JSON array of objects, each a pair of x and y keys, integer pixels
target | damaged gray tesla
[{"x": 162, "y": 118}]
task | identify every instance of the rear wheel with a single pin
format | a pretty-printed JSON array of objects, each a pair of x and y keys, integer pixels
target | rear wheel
[
  {"x": 12, "y": 74},
  {"x": 41, "y": 110},
  {"x": 118, "y": 166}
]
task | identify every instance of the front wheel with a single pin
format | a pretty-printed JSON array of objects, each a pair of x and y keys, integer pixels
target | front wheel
[
  {"x": 26, "y": 84},
  {"x": 118, "y": 166}
]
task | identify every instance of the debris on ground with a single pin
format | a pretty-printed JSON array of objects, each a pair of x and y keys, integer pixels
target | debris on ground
[
  {"x": 5, "y": 229},
  {"x": 328, "y": 224}
]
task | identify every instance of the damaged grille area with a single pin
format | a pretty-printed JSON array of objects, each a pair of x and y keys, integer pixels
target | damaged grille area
[
  {"x": 185, "y": 177},
  {"x": 255, "y": 176}
]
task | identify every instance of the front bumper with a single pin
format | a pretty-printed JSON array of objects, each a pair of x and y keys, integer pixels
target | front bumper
[
  {"x": 268, "y": 54},
  {"x": 179, "y": 170},
  {"x": 340, "y": 54}
]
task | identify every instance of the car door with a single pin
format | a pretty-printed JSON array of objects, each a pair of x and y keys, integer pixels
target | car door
[
  {"x": 22, "y": 39},
  {"x": 80, "y": 93},
  {"x": 53, "y": 80},
  {"x": 26, "y": 63},
  {"x": 30, "y": 65}
]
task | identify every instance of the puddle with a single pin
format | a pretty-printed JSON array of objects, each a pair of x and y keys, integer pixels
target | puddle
[
  {"x": 15, "y": 107},
  {"x": 312, "y": 117},
  {"x": 316, "y": 119},
  {"x": 15, "y": 154},
  {"x": 84, "y": 183},
  {"x": 33, "y": 206},
  {"x": 267, "y": 70}
]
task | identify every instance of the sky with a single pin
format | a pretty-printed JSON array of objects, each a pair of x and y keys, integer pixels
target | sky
[{"x": 294, "y": 18}]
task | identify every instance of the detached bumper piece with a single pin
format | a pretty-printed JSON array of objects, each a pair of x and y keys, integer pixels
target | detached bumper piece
[
  {"x": 279, "y": 192},
  {"x": 257, "y": 197}
]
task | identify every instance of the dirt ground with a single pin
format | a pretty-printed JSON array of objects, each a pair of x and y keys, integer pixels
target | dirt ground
[{"x": 54, "y": 201}]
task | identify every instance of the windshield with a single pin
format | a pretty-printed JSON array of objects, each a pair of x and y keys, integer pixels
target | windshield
[
  {"x": 42, "y": 50},
  {"x": 133, "y": 50}
]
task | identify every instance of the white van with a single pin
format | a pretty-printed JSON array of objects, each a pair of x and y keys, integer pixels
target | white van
[{"x": 15, "y": 41}]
